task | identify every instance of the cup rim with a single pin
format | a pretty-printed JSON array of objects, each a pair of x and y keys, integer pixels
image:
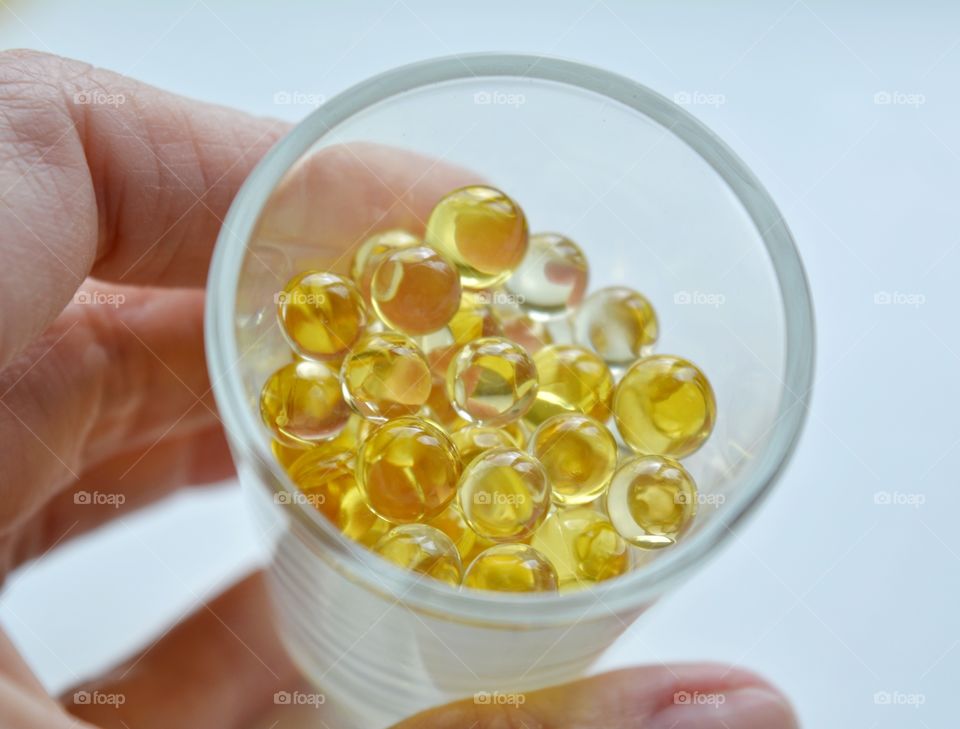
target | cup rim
[{"x": 625, "y": 594}]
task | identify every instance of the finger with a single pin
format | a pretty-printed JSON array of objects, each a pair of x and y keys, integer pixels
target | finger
[
  {"x": 662, "y": 697},
  {"x": 117, "y": 488},
  {"x": 219, "y": 668}
]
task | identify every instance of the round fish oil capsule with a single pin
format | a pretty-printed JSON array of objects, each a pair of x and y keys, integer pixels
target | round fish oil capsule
[
  {"x": 386, "y": 376},
  {"x": 301, "y": 403},
  {"x": 358, "y": 522},
  {"x": 552, "y": 276},
  {"x": 285, "y": 454},
  {"x": 323, "y": 479},
  {"x": 473, "y": 320},
  {"x": 491, "y": 381},
  {"x": 408, "y": 470},
  {"x": 651, "y": 500},
  {"x": 504, "y": 495},
  {"x": 579, "y": 455},
  {"x": 321, "y": 315},
  {"x": 424, "y": 549},
  {"x": 618, "y": 323},
  {"x": 582, "y": 545},
  {"x": 451, "y": 522},
  {"x": 482, "y": 231},
  {"x": 664, "y": 405},
  {"x": 518, "y": 326},
  {"x": 472, "y": 440},
  {"x": 572, "y": 379},
  {"x": 511, "y": 568},
  {"x": 372, "y": 251},
  {"x": 415, "y": 290}
]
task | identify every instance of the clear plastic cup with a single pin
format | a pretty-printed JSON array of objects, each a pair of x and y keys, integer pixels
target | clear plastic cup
[{"x": 658, "y": 203}]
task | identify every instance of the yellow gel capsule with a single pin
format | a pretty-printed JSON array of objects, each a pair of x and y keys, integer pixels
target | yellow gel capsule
[
  {"x": 511, "y": 568},
  {"x": 424, "y": 549},
  {"x": 302, "y": 403},
  {"x": 579, "y": 455},
  {"x": 482, "y": 231},
  {"x": 408, "y": 470},
  {"x": 518, "y": 326},
  {"x": 321, "y": 315},
  {"x": 415, "y": 290},
  {"x": 504, "y": 495},
  {"x": 491, "y": 381},
  {"x": 552, "y": 276},
  {"x": 358, "y": 522},
  {"x": 451, "y": 522},
  {"x": 664, "y": 405},
  {"x": 472, "y": 440},
  {"x": 473, "y": 320},
  {"x": 324, "y": 478},
  {"x": 286, "y": 454},
  {"x": 572, "y": 379},
  {"x": 386, "y": 376},
  {"x": 651, "y": 501},
  {"x": 372, "y": 252},
  {"x": 582, "y": 545},
  {"x": 618, "y": 323}
]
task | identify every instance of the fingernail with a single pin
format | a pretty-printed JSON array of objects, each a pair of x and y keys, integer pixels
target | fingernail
[{"x": 746, "y": 708}]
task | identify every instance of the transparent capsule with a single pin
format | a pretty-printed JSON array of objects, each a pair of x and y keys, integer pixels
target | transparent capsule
[
  {"x": 491, "y": 381},
  {"x": 518, "y": 326},
  {"x": 372, "y": 252},
  {"x": 572, "y": 379},
  {"x": 473, "y": 320},
  {"x": 664, "y": 405},
  {"x": 504, "y": 495},
  {"x": 579, "y": 455},
  {"x": 482, "y": 231},
  {"x": 552, "y": 276},
  {"x": 301, "y": 403},
  {"x": 511, "y": 568},
  {"x": 472, "y": 440},
  {"x": 651, "y": 501},
  {"x": 415, "y": 290},
  {"x": 286, "y": 454},
  {"x": 582, "y": 545},
  {"x": 386, "y": 376},
  {"x": 618, "y": 323},
  {"x": 408, "y": 470},
  {"x": 323, "y": 479},
  {"x": 424, "y": 549},
  {"x": 451, "y": 522},
  {"x": 358, "y": 522},
  {"x": 321, "y": 315}
]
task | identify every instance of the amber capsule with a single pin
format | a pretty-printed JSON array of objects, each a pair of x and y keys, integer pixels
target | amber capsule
[
  {"x": 415, "y": 290},
  {"x": 473, "y": 440},
  {"x": 504, "y": 495},
  {"x": 618, "y": 323},
  {"x": 324, "y": 478},
  {"x": 408, "y": 470},
  {"x": 572, "y": 379},
  {"x": 321, "y": 315},
  {"x": 372, "y": 252},
  {"x": 664, "y": 405},
  {"x": 518, "y": 326},
  {"x": 451, "y": 522},
  {"x": 482, "y": 231},
  {"x": 302, "y": 403},
  {"x": 491, "y": 381},
  {"x": 286, "y": 454},
  {"x": 651, "y": 500},
  {"x": 424, "y": 549},
  {"x": 511, "y": 568},
  {"x": 552, "y": 277},
  {"x": 579, "y": 455},
  {"x": 386, "y": 376},
  {"x": 582, "y": 545}
]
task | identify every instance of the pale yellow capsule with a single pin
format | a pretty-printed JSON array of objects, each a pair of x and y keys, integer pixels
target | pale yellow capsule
[
  {"x": 618, "y": 323},
  {"x": 321, "y": 314},
  {"x": 424, "y": 549},
  {"x": 579, "y": 455},
  {"x": 582, "y": 545},
  {"x": 491, "y": 381},
  {"x": 386, "y": 376},
  {"x": 552, "y": 277},
  {"x": 511, "y": 568},
  {"x": 371, "y": 253},
  {"x": 302, "y": 404}
]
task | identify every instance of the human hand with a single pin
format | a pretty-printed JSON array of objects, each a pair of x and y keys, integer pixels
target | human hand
[{"x": 109, "y": 212}]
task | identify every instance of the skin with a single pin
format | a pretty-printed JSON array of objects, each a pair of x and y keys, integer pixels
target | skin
[{"x": 128, "y": 199}]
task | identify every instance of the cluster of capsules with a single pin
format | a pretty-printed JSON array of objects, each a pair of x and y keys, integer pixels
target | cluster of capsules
[{"x": 458, "y": 405}]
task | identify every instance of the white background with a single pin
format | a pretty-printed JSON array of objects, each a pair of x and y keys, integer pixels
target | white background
[{"x": 834, "y": 596}]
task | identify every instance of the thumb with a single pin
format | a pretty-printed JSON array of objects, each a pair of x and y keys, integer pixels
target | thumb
[{"x": 700, "y": 696}]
